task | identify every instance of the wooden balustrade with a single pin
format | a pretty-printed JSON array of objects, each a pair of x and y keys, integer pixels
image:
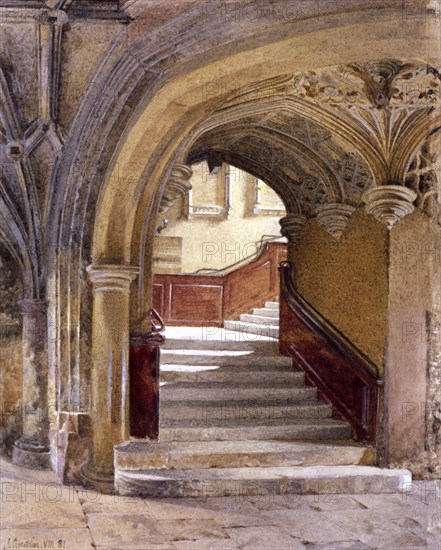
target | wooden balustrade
[
  {"x": 340, "y": 371},
  {"x": 198, "y": 300}
]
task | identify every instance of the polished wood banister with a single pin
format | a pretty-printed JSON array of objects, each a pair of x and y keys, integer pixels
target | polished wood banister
[
  {"x": 343, "y": 374},
  {"x": 317, "y": 321}
]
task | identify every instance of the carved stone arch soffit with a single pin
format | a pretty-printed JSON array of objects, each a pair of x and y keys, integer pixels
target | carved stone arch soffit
[
  {"x": 361, "y": 120},
  {"x": 300, "y": 154},
  {"x": 375, "y": 106}
]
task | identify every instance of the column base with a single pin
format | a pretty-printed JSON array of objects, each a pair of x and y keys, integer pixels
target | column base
[
  {"x": 31, "y": 455},
  {"x": 98, "y": 481}
]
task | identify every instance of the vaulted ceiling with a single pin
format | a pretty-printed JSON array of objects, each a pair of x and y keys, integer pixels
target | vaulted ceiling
[{"x": 328, "y": 135}]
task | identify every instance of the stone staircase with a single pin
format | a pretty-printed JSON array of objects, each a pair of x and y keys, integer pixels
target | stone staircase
[
  {"x": 236, "y": 419},
  {"x": 262, "y": 321}
]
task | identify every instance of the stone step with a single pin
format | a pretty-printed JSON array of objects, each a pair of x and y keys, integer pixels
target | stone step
[
  {"x": 265, "y": 482},
  {"x": 178, "y": 373},
  {"x": 270, "y": 330},
  {"x": 222, "y": 346},
  {"x": 259, "y": 319},
  {"x": 266, "y": 312},
  {"x": 242, "y": 360},
  {"x": 174, "y": 430},
  {"x": 205, "y": 391},
  {"x": 218, "y": 337},
  {"x": 137, "y": 455},
  {"x": 272, "y": 305},
  {"x": 237, "y": 412}
]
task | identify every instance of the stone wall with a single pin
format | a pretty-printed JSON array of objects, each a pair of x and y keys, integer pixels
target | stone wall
[{"x": 413, "y": 383}]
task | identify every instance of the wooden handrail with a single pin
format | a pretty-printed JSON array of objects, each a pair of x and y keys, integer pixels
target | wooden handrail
[
  {"x": 316, "y": 321},
  {"x": 343, "y": 374},
  {"x": 263, "y": 245}
]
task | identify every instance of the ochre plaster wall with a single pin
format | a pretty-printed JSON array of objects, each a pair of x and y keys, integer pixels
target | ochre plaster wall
[{"x": 347, "y": 279}]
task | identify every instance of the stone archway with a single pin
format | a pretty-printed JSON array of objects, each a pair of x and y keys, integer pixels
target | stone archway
[{"x": 106, "y": 218}]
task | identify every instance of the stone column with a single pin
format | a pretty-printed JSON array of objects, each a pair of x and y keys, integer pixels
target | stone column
[
  {"x": 109, "y": 369},
  {"x": 32, "y": 448}
]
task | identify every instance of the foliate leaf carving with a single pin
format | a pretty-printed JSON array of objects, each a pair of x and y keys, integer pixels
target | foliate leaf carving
[{"x": 379, "y": 84}]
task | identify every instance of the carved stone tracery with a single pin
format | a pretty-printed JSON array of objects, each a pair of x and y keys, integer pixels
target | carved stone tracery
[
  {"x": 424, "y": 177},
  {"x": 387, "y": 104},
  {"x": 329, "y": 90}
]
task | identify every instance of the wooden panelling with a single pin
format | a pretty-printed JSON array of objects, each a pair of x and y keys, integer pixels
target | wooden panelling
[
  {"x": 197, "y": 300},
  {"x": 341, "y": 372},
  {"x": 248, "y": 287},
  {"x": 184, "y": 298},
  {"x": 144, "y": 385}
]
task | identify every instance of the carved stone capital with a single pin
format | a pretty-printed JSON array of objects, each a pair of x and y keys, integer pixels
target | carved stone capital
[
  {"x": 112, "y": 278},
  {"x": 389, "y": 203},
  {"x": 177, "y": 186},
  {"x": 292, "y": 226},
  {"x": 334, "y": 217}
]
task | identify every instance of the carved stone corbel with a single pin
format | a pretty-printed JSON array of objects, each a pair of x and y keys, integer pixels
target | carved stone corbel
[
  {"x": 177, "y": 186},
  {"x": 292, "y": 226},
  {"x": 389, "y": 203},
  {"x": 334, "y": 217}
]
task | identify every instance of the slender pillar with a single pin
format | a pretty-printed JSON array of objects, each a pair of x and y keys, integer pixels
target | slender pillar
[
  {"x": 110, "y": 370},
  {"x": 32, "y": 448}
]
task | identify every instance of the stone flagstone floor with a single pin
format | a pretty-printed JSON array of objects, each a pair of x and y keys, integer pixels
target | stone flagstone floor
[{"x": 38, "y": 512}]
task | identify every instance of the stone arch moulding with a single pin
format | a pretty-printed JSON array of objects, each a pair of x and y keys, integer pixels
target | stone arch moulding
[
  {"x": 100, "y": 214},
  {"x": 136, "y": 68}
]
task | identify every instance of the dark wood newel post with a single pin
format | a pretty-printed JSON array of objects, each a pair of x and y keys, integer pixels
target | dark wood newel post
[{"x": 144, "y": 360}]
